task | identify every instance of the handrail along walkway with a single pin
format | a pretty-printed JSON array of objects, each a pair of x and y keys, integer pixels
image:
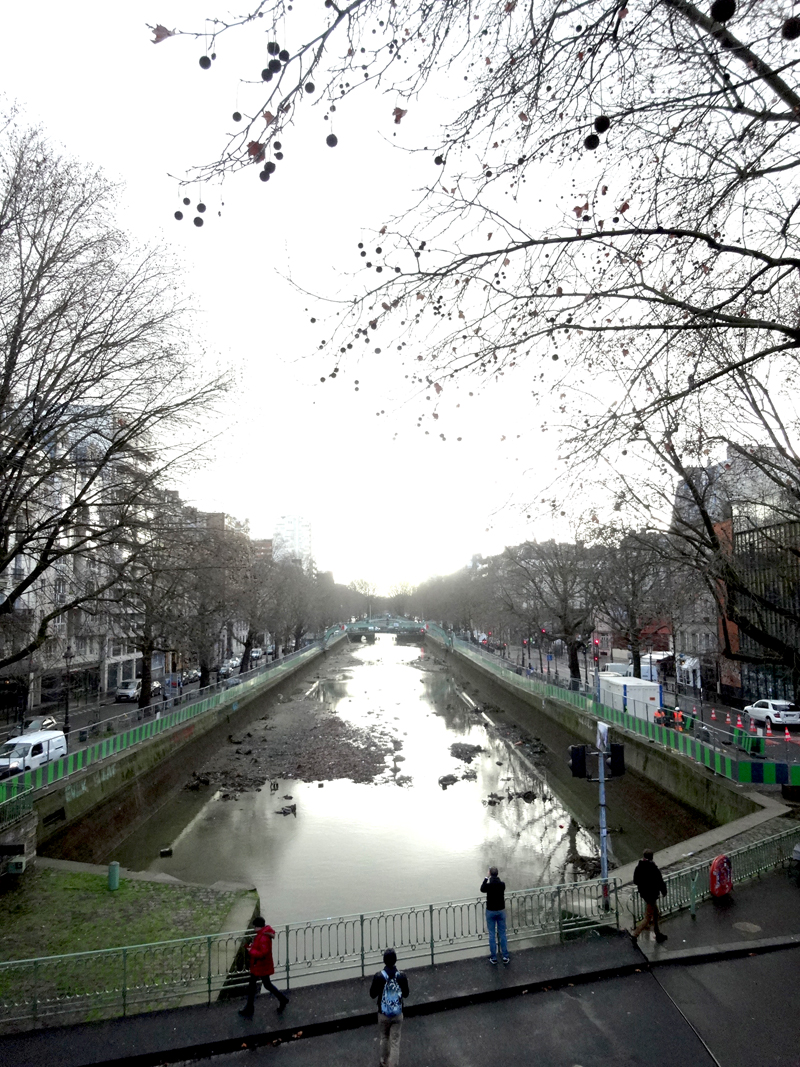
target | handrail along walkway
[{"x": 119, "y": 981}]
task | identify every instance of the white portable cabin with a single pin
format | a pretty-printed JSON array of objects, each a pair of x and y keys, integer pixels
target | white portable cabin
[{"x": 637, "y": 696}]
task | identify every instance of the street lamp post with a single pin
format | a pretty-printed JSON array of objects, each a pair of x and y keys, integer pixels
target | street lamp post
[{"x": 68, "y": 657}]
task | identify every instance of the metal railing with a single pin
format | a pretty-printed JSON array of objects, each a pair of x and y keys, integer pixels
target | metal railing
[
  {"x": 140, "y": 724},
  {"x": 15, "y": 808},
  {"x": 690, "y": 885},
  {"x": 137, "y": 978}
]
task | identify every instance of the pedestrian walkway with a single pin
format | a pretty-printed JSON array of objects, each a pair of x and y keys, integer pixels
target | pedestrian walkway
[
  {"x": 759, "y": 914},
  {"x": 591, "y": 1002}
]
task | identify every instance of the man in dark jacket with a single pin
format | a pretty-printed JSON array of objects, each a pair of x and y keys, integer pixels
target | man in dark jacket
[
  {"x": 389, "y": 986},
  {"x": 495, "y": 891},
  {"x": 261, "y": 968},
  {"x": 647, "y": 879}
]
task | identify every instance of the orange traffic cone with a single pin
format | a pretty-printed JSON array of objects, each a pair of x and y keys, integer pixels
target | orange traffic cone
[
  {"x": 787, "y": 736},
  {"x": 739, "y": 723},
  {"x": 728, "y": 719},
  {"x": 713, "y": 715},
  {"x": 752, "y": 726},
  {"x": 769, "y": 728}
]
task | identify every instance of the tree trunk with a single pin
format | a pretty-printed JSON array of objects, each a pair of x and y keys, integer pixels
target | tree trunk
[
  {"x": 205, "y": 672},
  {"x": 636, "y": 653},
  {"x": 248, "y": 644},
  {"x": 574, "y": 663},
  {"x": 146, "y": 648}
]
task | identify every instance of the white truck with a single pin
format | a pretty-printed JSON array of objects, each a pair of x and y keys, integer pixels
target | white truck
[
  {"x": 637, "y": 696},
  {"x": 650, "y": 664}
]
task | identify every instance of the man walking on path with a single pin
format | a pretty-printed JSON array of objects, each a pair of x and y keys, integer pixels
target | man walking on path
[
  {"x": 495, "y": 891},
  {"x": 389, "y": 986},
  {"x": 647, "y": 879},
  {"x": 261, "y": 967}
]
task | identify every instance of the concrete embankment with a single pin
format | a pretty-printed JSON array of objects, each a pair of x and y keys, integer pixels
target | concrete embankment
[
  {"x": 721, "y": 801},
  {"x": 85, "y": 816}
]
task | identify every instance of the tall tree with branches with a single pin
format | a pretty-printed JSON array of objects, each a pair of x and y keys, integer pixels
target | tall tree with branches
[
  {"x": 669, "y": 128},
  {"x": 97, "y": 382}
]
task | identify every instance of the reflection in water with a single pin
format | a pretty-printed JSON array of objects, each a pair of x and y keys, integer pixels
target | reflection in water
[{"x": 400, "y": 840}]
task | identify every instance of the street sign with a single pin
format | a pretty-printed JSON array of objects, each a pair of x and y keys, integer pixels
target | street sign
[{"x": 549, "y": 657}]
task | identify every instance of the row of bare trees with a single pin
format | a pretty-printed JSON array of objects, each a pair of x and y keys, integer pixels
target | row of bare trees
[
  {"x": 729, "y": 552},
  {"x": 100, "y": 385},
  {"x": 563, "y": 591},
  {"x": 204, "y": 591}
]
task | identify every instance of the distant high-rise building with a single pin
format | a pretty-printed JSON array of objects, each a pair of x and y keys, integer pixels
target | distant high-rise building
[{"x": 292, "y": 539}]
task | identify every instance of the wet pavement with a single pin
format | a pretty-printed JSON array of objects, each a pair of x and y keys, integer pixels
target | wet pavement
[
  {"x": 588, "y": 1003},
  {"x": 403, "y": 839}
]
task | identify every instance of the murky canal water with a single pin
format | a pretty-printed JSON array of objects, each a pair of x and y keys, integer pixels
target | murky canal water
[{"x": 403, "y": 839}]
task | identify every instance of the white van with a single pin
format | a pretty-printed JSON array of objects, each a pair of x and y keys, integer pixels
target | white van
[
  {"x": 30, "y": 751},
  {"x": 130, "y": 689},
  {"x": 625, "y": 670}
]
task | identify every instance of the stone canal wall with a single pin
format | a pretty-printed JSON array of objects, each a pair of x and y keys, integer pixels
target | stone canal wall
[
  {"x": 84, "y": 816},
  {"x": 691, "y": 783}
]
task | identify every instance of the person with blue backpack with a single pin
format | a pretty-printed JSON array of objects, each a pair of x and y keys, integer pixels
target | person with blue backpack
[{"x": 388, "y": 988}]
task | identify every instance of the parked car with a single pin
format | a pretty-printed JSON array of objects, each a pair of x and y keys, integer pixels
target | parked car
[
  {"x": 774, "y": 712},
  {"x": 30, "y": 751},
  {"x": 191, "y": 676},
  {"x": 156, "y": 688},
  {"x": 35, "y": 725},
  {"x": 235, "y": 662},
  {"x": 131, "y": 689},
  {"x": 224, "y": 671},
  {"x": 256, "y": 653}
]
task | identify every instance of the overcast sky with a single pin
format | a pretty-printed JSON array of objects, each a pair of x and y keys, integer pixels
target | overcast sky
[{"x": 387, "y": 502}]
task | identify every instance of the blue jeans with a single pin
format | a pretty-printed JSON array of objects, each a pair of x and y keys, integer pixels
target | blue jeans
[{"x": 497, "y": 919}]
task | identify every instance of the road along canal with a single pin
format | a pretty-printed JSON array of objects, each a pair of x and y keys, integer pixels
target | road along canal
[{"x": 387, "y": 782}]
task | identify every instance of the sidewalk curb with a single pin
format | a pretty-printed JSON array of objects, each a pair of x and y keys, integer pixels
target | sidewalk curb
[{"x": 713, "y": 954}]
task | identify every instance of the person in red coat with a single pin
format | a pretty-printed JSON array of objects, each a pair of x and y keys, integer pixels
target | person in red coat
[{"x": 261, "y": 968}]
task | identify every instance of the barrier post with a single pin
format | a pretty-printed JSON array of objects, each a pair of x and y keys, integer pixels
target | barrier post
[
  {"x": 693, "y": 896},
  {"x": 430, "y": 907}
]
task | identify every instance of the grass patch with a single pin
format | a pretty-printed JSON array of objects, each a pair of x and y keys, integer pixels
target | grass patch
[{"x": 51, "y": 913}]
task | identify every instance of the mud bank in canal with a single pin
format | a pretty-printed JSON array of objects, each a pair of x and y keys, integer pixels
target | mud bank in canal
[{"x": 301, "y": 736}]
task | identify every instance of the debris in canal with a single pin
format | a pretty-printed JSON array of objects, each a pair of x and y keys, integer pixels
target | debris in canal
[
  {"x": 465, "y": 753},
  {"x": 448, "y": 779}
]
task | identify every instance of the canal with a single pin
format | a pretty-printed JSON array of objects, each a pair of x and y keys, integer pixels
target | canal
[{"x": 404, "y": 838}]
